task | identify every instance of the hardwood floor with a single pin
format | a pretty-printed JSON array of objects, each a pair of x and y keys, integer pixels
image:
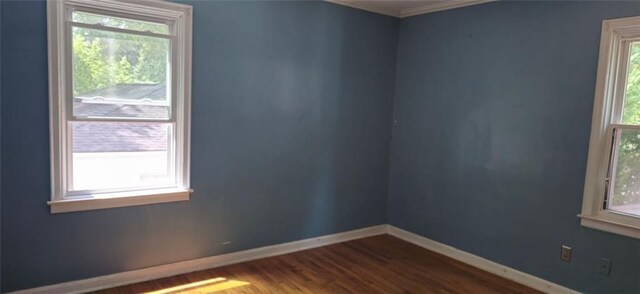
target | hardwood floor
[{"x": 380, "y": 264}]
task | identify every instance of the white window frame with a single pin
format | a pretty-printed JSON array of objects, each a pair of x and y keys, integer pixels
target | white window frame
[
  {"x": 617, "y": 34},
  {"x": 179, "y": 19}
]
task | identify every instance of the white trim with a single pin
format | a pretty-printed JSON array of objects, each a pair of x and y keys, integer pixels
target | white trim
[
  {"x": 157, "y": 272},
  {"x": 367, "y": 6},
  {"x": 440, "y": 6},
  {"x": 479, "y": 262},
  {"x": 120, "y": 200},
  {"x": 607, "y": 111},
  {"x": 179, "y": 19},
  {"x": 608, "y": 225},
  {"x": 119, "y": 30},
  {"x": 373, "y": 6},
  {"x": 120, "y": 120}
]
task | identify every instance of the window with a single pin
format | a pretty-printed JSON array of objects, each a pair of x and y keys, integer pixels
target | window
[
  {"x": 120, "y": 78},
  {"x": 612, "y": 185}
]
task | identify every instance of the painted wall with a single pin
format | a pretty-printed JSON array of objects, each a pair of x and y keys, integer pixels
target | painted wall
[
  {"x": 291, "y": 127},
  {"x": 492, "y": 121},
  {"x": 0, "y": 144},
  {"x": 291, "y": 121}
]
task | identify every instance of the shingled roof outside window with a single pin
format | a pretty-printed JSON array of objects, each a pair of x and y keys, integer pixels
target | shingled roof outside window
[{"x": 125, "y": 101}]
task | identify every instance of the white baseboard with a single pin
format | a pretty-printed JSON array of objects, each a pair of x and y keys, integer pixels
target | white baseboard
[
  {"x": 156, "y": 272},
  {"x": 479, "y": 262}
]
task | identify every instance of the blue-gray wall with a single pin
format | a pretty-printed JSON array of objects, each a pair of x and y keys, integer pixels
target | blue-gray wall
[
  {"x": 291, "y": 124},
  {"x": 493, "y": 113},
  {"x": 290, "y": 140},
  {"x": 0, "y": 146}
]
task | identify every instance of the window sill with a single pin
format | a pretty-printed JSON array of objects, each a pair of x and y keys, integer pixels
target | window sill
[
  {"x": 610, "y": 226},
  {"x": 120, "y": 200}
]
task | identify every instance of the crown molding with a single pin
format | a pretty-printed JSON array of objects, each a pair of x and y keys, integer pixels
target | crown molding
[
  {"x": 372, "y": 6},
  {"x": 439, "y": 6}
]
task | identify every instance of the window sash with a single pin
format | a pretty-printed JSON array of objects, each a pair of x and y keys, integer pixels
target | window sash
[
  {"x": 70, "y": 117},
  {"x": 610, "y": 180},
  {"x": 171, "y": 152},
  {"x": 601, "y": 210},
  {"x": 619, "y": 68},
  {"x": 68, "y": 101},
  {"x": 122, "y": 11},
  {"x": 118, "y": 30},
  {"x": 615, "y": 128}
]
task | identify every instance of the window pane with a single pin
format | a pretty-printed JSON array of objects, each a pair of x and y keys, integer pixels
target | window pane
[
  {"x": 120, "y": 75},
  {"x": 631, "y": 114},
  {"x": 625, "y": 196},
  {"x": 121, "y": 23},
  {"x": 121, "y": 155}
]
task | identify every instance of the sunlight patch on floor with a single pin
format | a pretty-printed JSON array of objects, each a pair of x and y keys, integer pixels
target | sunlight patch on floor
[{"x": 203, "y": 287}]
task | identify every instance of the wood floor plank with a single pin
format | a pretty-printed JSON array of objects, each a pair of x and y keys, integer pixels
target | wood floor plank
[{"x": 380, "y": 264}]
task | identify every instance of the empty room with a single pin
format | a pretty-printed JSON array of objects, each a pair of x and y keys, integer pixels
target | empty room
[{"x": 319, "y": 146}]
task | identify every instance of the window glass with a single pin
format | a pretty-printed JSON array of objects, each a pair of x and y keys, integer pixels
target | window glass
[
  {"x": 625, "y": 196},
  {"x": 112, "y": 155},
  {"x": 625, "y": 193},
  {"x": 120, "y": 75},
  {"x": 631, "y": 114}
]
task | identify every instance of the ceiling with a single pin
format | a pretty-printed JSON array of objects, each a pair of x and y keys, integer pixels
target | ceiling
[{"x": 404, "y": 8}]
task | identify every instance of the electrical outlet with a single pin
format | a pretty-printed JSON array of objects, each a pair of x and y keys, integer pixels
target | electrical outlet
[
  {"x": 605, "y": 267},
  {"x": 565, "y": 253}
]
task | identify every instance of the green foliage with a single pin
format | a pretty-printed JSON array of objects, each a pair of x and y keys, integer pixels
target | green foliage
[
  {"x": 89, "y": 66},
  {"x": 151, "y": 65},
  {"x": 124, "y": 72},
  {"x": 102, "y": 59},
  {"x": 632, "y": 94}
]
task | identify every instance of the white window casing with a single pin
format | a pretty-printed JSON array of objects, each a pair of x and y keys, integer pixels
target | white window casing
[
  {"x": 616, "y": 38},
  {"x": 178, "y": 17}
]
